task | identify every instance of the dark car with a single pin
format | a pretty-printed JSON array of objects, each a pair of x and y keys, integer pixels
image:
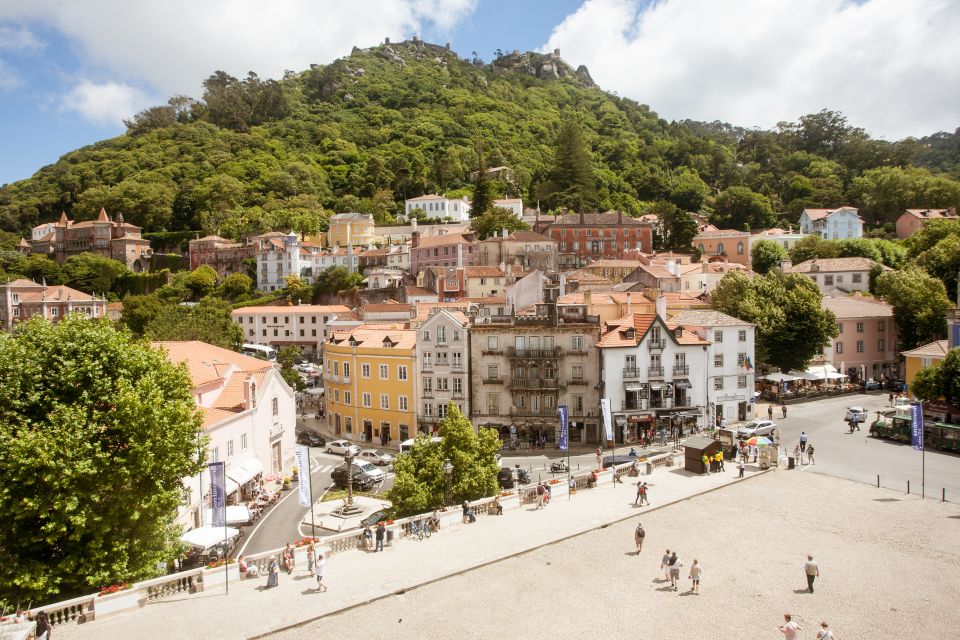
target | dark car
[
  {"x": 373, "y": 519},
  {"x": 361, "y": 481},
  {"x": 505, "y": 478},
  {"x": 311, "y": 438}
]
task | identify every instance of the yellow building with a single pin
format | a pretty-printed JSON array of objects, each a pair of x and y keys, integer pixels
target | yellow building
[
  {"x": 369, "y": 374},
  {"x": 923, "y": 356},
  {"x": 350, "y": 228}
]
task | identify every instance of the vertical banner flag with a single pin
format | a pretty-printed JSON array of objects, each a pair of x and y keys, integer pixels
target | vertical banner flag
[
  {"x": 916, "y": 425},
  {"x": 302, "y": 455},
  {"x": 564, "y": 427},
  {"x": 607, "y": 421},
  {"x": 218, "y": 494}
]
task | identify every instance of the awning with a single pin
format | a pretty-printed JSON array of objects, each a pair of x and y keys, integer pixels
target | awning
[
  {"x": 656, "y": 385},
  {"x": 315, "y": 391},
  {"x": 236, "y": 514},
  {"x": 633, "y": 387},
  {"x": 683, "y": 384},
  {"x": 243, "y": 471},
  {"x": 779, "y": 377},
  {"x": 207, "y": 537}
]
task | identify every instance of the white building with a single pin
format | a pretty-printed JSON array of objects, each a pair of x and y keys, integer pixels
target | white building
[
  {"x": 437, "y": 206},
  {"x": 279, "y": 255},
  {"x": 515, "y": 205},
  {"x": 703, "y": 277},
  {"x": 443, "y": 364},
  {"x": 249, "y": 416},
  {"x": 653, "y": 373},
  {"x": 786, "y": 239},
  {"x": 730, "y": 362},
  {"x": 832, "y": 224},
  {"x": 303, "y": 325},
  {"x": 838, "y": 274}
]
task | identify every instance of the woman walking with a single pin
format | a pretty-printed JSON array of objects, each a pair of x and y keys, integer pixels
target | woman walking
[
  {"x": 695, "y": 573},
  {"x": 273, "y": 573},
  {"x": 311, "y": 557},
  {"x": 288, "y": 562},
  {"x": 638, "y": 535},
  {"x": 675, "y": 565}
]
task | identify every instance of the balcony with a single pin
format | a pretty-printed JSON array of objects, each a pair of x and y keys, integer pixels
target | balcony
[
  {"x": 631, "y": 372},
  {"x": 681, "y": 370},
  {"x": 655, "y": 372},
  {"x": 428, "y": 393},
  {"x": 526, "y": 412},
  {"x": 487, "y": 351},
  {"x": 656, "y": 344},
  {"x": 533, "y": 383},
  {"x": 577, "y": 381},
  {"x": 426, "y": 367},
  {"x": 457, "y": 366},
  {"x": 496, "y": 380},
  {"x": 534, "y": 354},
  {"x": 457, "y": 394}
]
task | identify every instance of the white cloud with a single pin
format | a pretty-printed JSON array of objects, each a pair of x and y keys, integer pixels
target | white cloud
[
  {"x": 18, "y": 39},
  {"x": 9, "y": 77},
  {"x": 174, "y": 45},
  {"x": 891, "y": 66},
  {"x": 107, "y": 103}
]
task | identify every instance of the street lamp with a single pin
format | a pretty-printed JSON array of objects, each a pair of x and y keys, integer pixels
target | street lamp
[
  {"x": 448, "y": 475},
  {"x": 349, "y": 459}
]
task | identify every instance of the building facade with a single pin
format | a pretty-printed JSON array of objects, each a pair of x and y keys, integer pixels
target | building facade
[
  {"x": 449, "y": 250},
  {"x": 832, "y": 224},
  {"x": 585, "y": 237},
  {"x": 866, "y": 347},
  {"x": 23, "y": 299},
  {"x": 351, "y": 229},
  {"x": 838, "y": 274},
  {"x": 302, "y": 326},
  {"x": 439, "y": 207},
  {"x": 525, "y": 249},
  {"x": 114, "y": 239},
  {"x": 734, "y": 246},
  {"x": 912, "y": 220},
  {"x": 443, "y": 358},
  {"x": 223, "y": 256}
]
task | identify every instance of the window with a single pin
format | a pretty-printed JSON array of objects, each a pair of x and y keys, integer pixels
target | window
[
  {"x": 428, "y": 409},
  {"x": 402, "y": 372},
  {"x": 718, "y": 336},
  {"x": 838, "y": 347},
  {"x": 426, "y": 335},
  {"x": 859, "y": 346},
  {"x": 547, "y": 402},
  {"x": 881, "y": 345},
  {"x": 493, "y": 372},
  {"x": 346, "y": 397},
  {"x": 276, "y": 407},
  {"x": 458, "y": 385},
  {"x": 881, "y": 325},
  {"x": 719, "y": 248},
  {"x": 493, "y": 343},
  {"x": 741, "y": 382},
  {"x": 742, "y": 335},
  {"x": 384, "y": 401},
  {"x": 384, "y": 372},
  {"x": 718, "y": 384},
  {"x": 366, "y": 400},
  {"x": 576, "y": 343},
  {"x": 336, "y": 395},
  {"x": 859, "y": 327},
  {"x": 336, "y": 368},
  {"x": 364, "y": 370},
  {"x": 741, "y": 359},
  {"x": 857, "y": 278},
  {"x": 441, "y": 410},
  {"x": 348, "y": 424},
  {"x": 493, "y": 404},
  {"x": 576, "y": 372},
  {"x": 229, "y": 448},
  {"x": 427, "y": 360},
  {"x": 840, "y": 328},
  {"x": 214, "y": 454},
  {"x": 828, "y": 280},
  {"x": 457, "y": 359},
  {"x": 442, "y": 332},
  {"x": 718, "y": 360},
  {"x": 243, "y": 442},
  {"x": 443, "y": 384},
  {"x": 739, "y": 248},
  {"x": 402, "y": 403},
  {"x": 346, "y": 369},
  {"x": 456, "y": 334}
]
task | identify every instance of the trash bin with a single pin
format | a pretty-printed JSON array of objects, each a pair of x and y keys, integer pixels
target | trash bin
[
  {"x": 649, "y": 469},
  {"x": 791, "y": 462},
  {"x": 389, "y": 541}
]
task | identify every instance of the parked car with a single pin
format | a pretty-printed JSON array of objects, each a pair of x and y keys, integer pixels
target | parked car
[
  {"x": 370, "y": 470},
  {"x": 757, "y": 428},
  {"x": 505, "y": 478},
  {"x": 374, "y": 518},
  {"x": 341, "y": 447},
  {"x": 871, "y": 385},
  {"x": 379, "y": 458},
  {"x": 361, "y": 481},
  {"x": 310, "y": 438},
  {"x": 856, "y": 414}
]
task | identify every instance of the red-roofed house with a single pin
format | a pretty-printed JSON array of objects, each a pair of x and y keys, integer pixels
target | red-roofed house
[
  {"x": 590, "y": 236},
  {"x": 913, "y": 219},
  {"x": 448, "y": 250},
  {"x": 832, "y": 224},
  {"x": 112, "y": 239},
  {"x": 22, "y": 299}
]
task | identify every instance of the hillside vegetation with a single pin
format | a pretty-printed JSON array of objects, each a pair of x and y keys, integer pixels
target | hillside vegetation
[{"x": 395, "y": 121}]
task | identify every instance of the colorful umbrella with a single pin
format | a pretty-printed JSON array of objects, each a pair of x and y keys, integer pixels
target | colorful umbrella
[{"x": 759, "y": 441}]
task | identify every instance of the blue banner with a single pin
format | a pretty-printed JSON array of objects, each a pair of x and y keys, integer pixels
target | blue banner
[
  {"x": 916, "y": 425},
  {"x": 218, "y": 494},
  {"x": 564, "y": 441}
]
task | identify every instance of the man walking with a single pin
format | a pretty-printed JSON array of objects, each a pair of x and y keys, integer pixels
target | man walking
[
  {"x": 720, "y": 460},
  {"x": 638, "y": 537},
  {"x": 770, "y": 412},
  {"x": 540, "y": 493},
  {"x": 321, "y": 569},
  {"x": 783, "y": 408},
  {"x": 639, "y": 491},
  {"x": 675, "y": 565},
  {"x": 381, "y": 533},
  {"x": 643, "y": 494},
  {"x": 789, "y": 628},
  {"x": 812, "y": 570},
  {"x": 803, "y": 441},
  {"x": 741, "y": 466},
  {"x": 665, "y": 566}
]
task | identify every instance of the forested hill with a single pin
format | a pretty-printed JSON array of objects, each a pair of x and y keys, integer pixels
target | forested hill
[{"x": 394, "y": 121}]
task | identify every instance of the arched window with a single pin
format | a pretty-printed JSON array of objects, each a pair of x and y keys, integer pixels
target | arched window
[
  {"x": 739, "y": 248},
  {"x": 719, "y": 248}
]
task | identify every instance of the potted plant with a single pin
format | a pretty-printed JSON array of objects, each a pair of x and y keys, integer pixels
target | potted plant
[{"x": 286, "y": 483}]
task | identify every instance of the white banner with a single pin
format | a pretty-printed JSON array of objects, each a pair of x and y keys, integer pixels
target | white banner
[
  {"x": 302, "y": 455},
  {"x": 607, "y": 421}
]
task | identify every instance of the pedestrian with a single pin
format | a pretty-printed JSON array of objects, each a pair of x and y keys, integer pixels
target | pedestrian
[
  {"x": 695, "y": 573},
  {"x": 823, "y": 634},
  {"x": 675, "y": 565},
  {"x": 803, "y": 441},
  {"x": 665, "y": 566},
  {"x": 810, "y": 454},
  {"x": 497, "y": 507},
  {"x": 367, "y": 539},
  {"x": 599, "y": 455},
  {"x": 639, "y": 491},
  {"x": 572, "y": 485},
  {"x": 273, "y": 573},
  {"x": 706, "y": 463},
  {"x": 540, "y": 495},
  {"x": 812, "y": 571},
  {"x": 789, "y": 628},
  {"x": 891, "y": 399},
  {"x": 723, "y": 423},
  {"x": 770, "y": 412},
  {"x": 720, "y": 460},
  {"x": 311, "y": 557},
  {"x": 643, "y": 495},
  {"x": 663, "y": 436},
  {"x": 796, "y": 452},
  {"x": 288, "y": 561},
  {"x": 741, "y": 467},
  {"x": 638, "y": 537},
  {"x": 381, "y": 534},
  {"x": 321, "y": 567},
  {"x": 783, "y": 408},
  {"x": 43, "y": 629}
]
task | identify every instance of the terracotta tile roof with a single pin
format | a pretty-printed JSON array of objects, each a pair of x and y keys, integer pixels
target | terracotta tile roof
[
  {"x": 608, "y": 219},
  {"x": 831, "y": 265},
  {"x": 485, "y": 300},
  {"x": 714, "y": 267},
  {"x": 301, "y": 309},
  {"x": 419, "y": 291},
  {"x": 706, "y": 318},
  {"x": 213, "y": 416},
  {"x": 429, "y": 196},
  {"x": 507, "y": 201},
  {"x": 23, "y": 282},
  {"x": 373, "y": 337},
  {"x": 483, "y": 272},
  {"x": 391, "y": 306},
  {"x": 231, "y": 397},
  {"x": 529, "y": 236},
  {"x": 928, "y": 214},
  {"x": 605, "y": 297},
  {"x": 721, "y": 233},
  {"x": 56, "y": 293},
  {"x": 445, "y": 239},
  {"x": 613, "y": 263},
  {"x": 857, "y": 307},
  {"x": 685, "y": 337},
  {"x": 583, "y": 277},
  {"x": 936, "y": 349},
  {"x": 818, "y": 214},
  {"x": 616, "y": 333},
  {"x": 207, "y": 363}
]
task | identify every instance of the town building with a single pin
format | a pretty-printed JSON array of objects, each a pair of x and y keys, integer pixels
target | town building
[
  {"x": 653, "y": 374},
  {"x": 524, "y": 366},
  {"x": 403, "y": 234},
  {"x": 249, "y": 418},
  {"x": 282, "y": 254},
  {"x": 369, "y": 379},
  {"x": 114, "y": 239},
  {"x": 443, "y": 357},
  {"x": 912, "y": 220},
  {"x": 701, "y": 278},
  {"x": 730, "y": 362},
  {"x": 732, "y": 245},
  {"x": 514, "y": 205},
  {"x": 866, "y": 347},
  {"x": 922, "y": 357},
  {"x": 439, "y": 207},
  {"x": 351, "y": 229},
  {"x": 584, "y": 237},
  {"x": 303, "y": 326},
  {"x": 383, "y": 277},
  {"x": 786, "y": 239},
  {"x": 613, "y": 269},
  {"x": 832, "y": 224},
  {"x": 525, "y": 249},
  {"x": 23, "y": 299},
  {"x": 609, "y": 305},
  {"x": 449, "y": 250},
  {"x": 657, "y": 275},
  {"x": 223, "y": 256},
  {"x": 845, "y": 275}
]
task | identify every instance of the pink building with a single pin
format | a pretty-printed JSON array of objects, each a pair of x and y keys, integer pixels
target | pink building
[
  {"x": 449, "y": 250},
  {"x": 22, "y": 299},
  {"x": 728, "y": 243},
  {"x": 913, "y": 220},
  {"x": 866, "y": 346}
]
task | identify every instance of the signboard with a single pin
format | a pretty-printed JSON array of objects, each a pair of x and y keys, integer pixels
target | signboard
[
  {"x": 916, "y": 425},
  {"x": 564, "y": 427},
  {"x": 302, "y": 454},
  {"x": 607, "y": 420},
  {"x": 218, "y": 494}
]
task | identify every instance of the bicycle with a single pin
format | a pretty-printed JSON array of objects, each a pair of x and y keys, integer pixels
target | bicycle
[{"x": 420, "y": 528}]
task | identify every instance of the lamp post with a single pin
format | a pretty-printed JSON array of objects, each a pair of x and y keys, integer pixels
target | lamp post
[
  {"x": 448, "y": 476},
  {"x": 349, "y": 459}
]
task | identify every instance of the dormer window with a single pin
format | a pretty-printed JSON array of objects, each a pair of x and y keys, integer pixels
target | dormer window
[{"x": 677, "y": 332}]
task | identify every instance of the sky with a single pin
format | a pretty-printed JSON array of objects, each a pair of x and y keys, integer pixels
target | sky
[{"x": 70, "y": 72}]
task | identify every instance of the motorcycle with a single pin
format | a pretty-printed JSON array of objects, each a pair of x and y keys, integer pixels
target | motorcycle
[
  {"x": 522, "y": 476},
  {"x": 559, "y": 466}
]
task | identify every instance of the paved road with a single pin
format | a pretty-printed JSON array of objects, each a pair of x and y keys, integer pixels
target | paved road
[{"x": 858, "y": 456}]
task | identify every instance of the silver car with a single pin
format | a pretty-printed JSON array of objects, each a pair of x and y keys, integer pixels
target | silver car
[
  {"x": 379, "y": 458},
  {"x": 757, "y": 428}
]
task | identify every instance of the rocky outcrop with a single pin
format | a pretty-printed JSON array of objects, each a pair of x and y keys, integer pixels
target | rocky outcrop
[{"x": 583, "y": 75}]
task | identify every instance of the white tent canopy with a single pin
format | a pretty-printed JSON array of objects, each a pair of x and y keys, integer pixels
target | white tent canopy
[
  {"x": 236, "y": 514},
  {"x": 207, "y": 537},
  {"x": 778, "y": 377},
  {"x": 244, "y": 470}
]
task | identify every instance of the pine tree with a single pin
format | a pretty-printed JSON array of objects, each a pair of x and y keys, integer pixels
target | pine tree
[
  {"x": 571, "y": 183},
  {"x": 482, "y": 196}
]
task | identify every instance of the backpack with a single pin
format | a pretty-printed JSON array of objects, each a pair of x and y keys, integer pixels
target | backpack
[{"x": 640, "y": 532}]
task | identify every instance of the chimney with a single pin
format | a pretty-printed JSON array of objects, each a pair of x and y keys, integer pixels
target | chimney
[
  {"x": 414, "y": 239},
  {"x": 662, "y": 307},
  {"x": 413, "y": 224},
  {"x": 629, "y": 305},
  {"x": 459, "y": 254},
  {"x": 249, "y": 393},
  {"x": 619, "y": 218},
  {"x": 581, "y": 217}
]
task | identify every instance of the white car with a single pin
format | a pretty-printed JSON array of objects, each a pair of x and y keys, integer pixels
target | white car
[
  {"x": 341, "y": 447},
  {"x": 380, "y": 458},
  {"x": 757, "y": 428},
  {"x": 856, "y": 414},
  {"x": 371, "y": 471}
]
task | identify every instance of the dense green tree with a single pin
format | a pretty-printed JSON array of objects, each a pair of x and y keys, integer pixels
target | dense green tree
[
  {"x": 482, "y": 200},
  {"x": 571, "y": 182},
  {"x": 740, "y": 208},
  {"x": 813, "y": 246},
  {"x": 99, "y": 431},
  {"x": 942, "y": 261},
  {"x": 939, "y": 380},
  {"x": 40, "y": 268},
  {"x": 298, "y": 289},
  {"x": 420, "y": 482},
  {"x": 919, "y": 304},
  {"x": 885, "y": 192},
  {"x": 139, "y": 311},
  {"x": 927, "y": 384},
  {"x": 207, "y": 321},
  {"x": 235, "y": 285},
  {"x": 496, "y": 220},
  {"x": 675, "y": 228},
  {"x": 332, "y": 280},
  {"x": 766, "y": 255},
  {"x": 201, "y": 281},
  {"x": 91, "y": 273},
  {"x": 792, "y": 325}
]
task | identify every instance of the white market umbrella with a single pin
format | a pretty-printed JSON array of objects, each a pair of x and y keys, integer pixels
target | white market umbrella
[
  {"x": 207, "y": 537},
  {"x": 236, "y": 514},
  {"x": 778, "y": 377}
]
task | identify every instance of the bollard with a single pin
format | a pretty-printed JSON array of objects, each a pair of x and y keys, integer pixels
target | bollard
[
  {"x": 943, "y": 495},
  {"x": 908, "y": 487},
  {"x": 878, "y": 481}
]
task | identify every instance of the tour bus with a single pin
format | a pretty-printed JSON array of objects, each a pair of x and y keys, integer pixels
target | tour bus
[
  {"x": 262, "y": 351},
  {"x": 406, "y": 445}
]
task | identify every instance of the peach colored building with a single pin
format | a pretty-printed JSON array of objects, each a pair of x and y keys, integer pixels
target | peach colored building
[
  {"x": 728, "y": 243},
  {"x": 913, "y": 220},
  {"x": 22, "y": 299},
  {"x": 866, "y": 346}
]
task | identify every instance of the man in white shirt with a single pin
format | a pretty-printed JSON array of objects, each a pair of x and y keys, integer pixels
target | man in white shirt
[
  {"x": 812, "y": 570},
  {"x": 789, "y": 628}
]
